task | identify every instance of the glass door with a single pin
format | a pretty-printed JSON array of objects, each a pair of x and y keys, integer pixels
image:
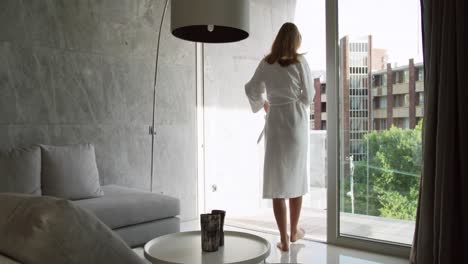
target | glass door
[{"x": 375, "y": 52}]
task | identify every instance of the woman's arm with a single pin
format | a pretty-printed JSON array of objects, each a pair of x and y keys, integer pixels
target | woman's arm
[
  {"x": 308, "y": 91},
  {"x": 255, "y": 90}
]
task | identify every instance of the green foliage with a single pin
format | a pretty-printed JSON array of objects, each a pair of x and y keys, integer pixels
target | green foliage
[
  {"x": 387, "y": 184},
  {"x": 395, "y": 205}
]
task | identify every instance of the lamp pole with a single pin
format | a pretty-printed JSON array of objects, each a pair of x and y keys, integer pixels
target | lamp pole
[{"x": 152, "y": 130}]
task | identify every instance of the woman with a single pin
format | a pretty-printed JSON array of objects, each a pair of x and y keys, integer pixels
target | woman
[{"x": 285, "y": 76}]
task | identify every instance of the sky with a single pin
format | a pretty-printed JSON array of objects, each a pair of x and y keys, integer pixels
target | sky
[{"x": 394, "y": 24}]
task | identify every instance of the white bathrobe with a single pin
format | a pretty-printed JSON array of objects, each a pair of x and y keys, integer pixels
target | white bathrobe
[{"x": 290, "y": 92}]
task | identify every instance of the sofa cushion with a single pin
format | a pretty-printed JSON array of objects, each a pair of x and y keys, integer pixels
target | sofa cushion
[
  {"x": 121, "y": 206},
  {"x": 70, "y": 172},
  {"x": 20, "y": 170},
  {"x": 41, "y": 229}
]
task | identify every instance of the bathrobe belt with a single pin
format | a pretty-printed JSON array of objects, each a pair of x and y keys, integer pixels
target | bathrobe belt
[{"x": 266, "y": 117}]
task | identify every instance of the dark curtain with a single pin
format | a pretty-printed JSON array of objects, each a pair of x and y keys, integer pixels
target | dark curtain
[{"x": 441, "y": 234}]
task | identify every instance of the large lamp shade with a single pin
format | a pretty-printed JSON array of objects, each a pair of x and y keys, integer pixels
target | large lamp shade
[{"x": 210, "y": 21}]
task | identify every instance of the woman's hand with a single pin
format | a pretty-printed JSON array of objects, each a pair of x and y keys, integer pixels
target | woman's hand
[{"x": 266, "y": 106}]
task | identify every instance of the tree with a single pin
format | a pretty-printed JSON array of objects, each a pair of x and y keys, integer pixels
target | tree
[{"x": 391, "y": 173}]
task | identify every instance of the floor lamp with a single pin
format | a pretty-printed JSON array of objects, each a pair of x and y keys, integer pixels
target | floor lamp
[{"x": 205, "y": 21}]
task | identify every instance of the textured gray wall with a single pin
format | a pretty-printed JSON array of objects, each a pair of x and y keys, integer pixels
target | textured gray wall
[{"x": 82, "y": 71}]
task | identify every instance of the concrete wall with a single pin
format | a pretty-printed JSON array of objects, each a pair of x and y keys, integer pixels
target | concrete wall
[{"x": 82, "y": 71}]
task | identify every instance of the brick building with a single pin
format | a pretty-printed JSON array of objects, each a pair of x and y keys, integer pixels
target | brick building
[
  {"x": 374, "y": 95},
  {"x": 397, "y": 96}
]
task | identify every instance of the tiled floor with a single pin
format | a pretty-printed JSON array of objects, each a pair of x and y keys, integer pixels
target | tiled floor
[{"x": 314, "y": 217}]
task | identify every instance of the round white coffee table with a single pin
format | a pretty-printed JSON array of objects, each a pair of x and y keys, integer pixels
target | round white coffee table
[{"x": 185, "y": 247}]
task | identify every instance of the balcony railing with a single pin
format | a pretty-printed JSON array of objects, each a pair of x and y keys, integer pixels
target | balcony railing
[
  {"x": 401, "y": 88},
  {"x": 419, "y": 86},
  {"x": 380, "y": 113},
  {"x": 420, "y": 111},
  {"x": 400, "y": 112}
]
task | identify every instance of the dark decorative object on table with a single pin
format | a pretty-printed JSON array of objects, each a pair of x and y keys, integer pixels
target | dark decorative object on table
[
  {"x": 221, "y": 226},
  {"x": 210, "y": 231}
]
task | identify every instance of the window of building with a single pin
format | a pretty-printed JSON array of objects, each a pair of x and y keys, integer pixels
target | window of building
[
  {"x": 401, "y": 122},
  {"x": 323, "y": 125},
  {"x": 376, "y": 80},
  {"x": 358, "y": 70},
  {"x": 397, "y": 101},
  {"x": 358, "y": 92},
  {"x": 380, "y": 102},
  {"x": 420, "y": 98},
  {"x": 400, "y": 76},
  {"x": 380, "y": 123},
  {"x": 405, "y": 123},
  {"x": 383, "y": 102},
  {"x": 357, "y": 125},
  {"x": 401, "y": 100},
  {"x": 365, "y": 81},
  {"x": 323, "y": 88},
  {"x": 357, "y": 103},
  {"x": 405, "y": 76},
  {"x": 420, "y": 74}
]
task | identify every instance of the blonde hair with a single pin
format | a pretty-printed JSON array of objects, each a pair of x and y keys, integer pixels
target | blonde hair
[{"x": 285, "y": 46}]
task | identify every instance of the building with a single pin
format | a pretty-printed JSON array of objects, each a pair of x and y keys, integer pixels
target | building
[
  {"x": 404, "y": 92},
  {"x": 379, "y": 59},
  {"x": 374, "y": 95},
  {"x": 355, "y": 54},
  {"x": 397, "y": 96},
  {"x": 318, "y": 108}
]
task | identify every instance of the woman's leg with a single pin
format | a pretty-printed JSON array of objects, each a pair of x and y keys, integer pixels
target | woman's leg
[
  {"x": 295, "y": 205},
  {"x": 279, "y": 208}
]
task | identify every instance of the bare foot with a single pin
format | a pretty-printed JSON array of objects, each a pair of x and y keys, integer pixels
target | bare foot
[
  {"x": 283, "y": 246},
  {"x": 300, "y": 233}
]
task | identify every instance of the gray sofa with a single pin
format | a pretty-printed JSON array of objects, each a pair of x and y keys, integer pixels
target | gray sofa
[{"x": 70, "y": 172}]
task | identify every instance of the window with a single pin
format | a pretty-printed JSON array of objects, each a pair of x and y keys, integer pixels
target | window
[
  {"x": 359, "y": 124},
  {"x": 406, "y": 76},
  {"x": 401, "y": 100},
  {"x": 373, "y": 181},
  {"x": 376, "y": 80},
  {"x": 401, "y": 76},
  {"x": 358, "y": 70},
  {"x": 323, "y": 107},
  {"x": 379, "y": 80},
  {"x": 323, "y": 88},
  {"x": 383, "y": 102},
  {"x": 323, "y": 125},
  {"x": 380, "y": 102},
  {"x": 380, "y": 123},
  {"x": 357, "y": 103},
  {"x": 420, "y": 98},
  {"x": 401, "y": 122},
  {"x": 420, "y": 74}
]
